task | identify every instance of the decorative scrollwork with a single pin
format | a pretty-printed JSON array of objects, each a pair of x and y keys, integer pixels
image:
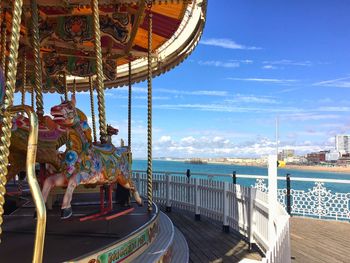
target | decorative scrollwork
[
  {"x": 260, "y": 185},
  {"x": 316, "y": 202}
]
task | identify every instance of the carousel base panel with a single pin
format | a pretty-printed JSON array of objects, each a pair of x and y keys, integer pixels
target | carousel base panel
[{"x": 121, "y": 239}]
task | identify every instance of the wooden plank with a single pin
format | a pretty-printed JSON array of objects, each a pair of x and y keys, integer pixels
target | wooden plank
[
  {"x": 207, "y": 242},
  {"x": 316, "y": 240}
]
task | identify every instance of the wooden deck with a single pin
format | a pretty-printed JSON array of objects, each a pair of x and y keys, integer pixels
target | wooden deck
[
  {"x": 319, "y": 241},
  {"x": 207, "y": 242}
]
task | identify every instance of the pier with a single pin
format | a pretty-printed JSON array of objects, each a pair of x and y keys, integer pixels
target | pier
[{"x": 315, "y": 240}]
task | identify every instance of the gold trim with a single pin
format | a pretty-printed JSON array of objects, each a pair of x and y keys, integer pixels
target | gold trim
[{"x": 32, "y": 181}]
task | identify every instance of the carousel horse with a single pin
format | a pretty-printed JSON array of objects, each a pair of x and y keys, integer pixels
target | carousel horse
[
  {"x": 51, "y": 136},
  {"x": 84, "y": 162}
]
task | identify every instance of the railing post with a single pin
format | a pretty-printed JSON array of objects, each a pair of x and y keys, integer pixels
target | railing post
[
  {"x": 234, "y": 177},
  {"x": 251, "y": 195},
  {"x": 188, "y": 174},
  {"x": 167, "y": 193},
  {"x": 288, "y": 195},
  {"x": 272, "y": 197},
  {"x": 197, "y": 215},
  {"x": 225, "y": 225}
]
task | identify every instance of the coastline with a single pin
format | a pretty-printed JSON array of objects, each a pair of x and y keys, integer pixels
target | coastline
[{"x": 317, "y": 168}]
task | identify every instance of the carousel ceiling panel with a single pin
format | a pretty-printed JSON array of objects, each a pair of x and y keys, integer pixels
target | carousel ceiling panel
[
  {"x": 162, "y": 25},
  {"x": 67, "y": 37},
  {"x": 141, "y": 39}
]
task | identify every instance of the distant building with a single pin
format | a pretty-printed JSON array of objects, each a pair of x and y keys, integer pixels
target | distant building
[
  {"x": 286, "y": 155},
  {"x": 332, "y": 156},
  {"x": 342, "y": 144},
  {"x": 316, "y": 157},
  {"x": 344, "y": 160}
]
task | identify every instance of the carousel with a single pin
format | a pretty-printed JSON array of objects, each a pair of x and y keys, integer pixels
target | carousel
[{"x": 81, "y": 204}]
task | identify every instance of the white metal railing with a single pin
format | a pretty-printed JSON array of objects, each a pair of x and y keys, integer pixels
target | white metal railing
[
  {"x": 312, "y": 201},
  {"x": 244, "y": 209}
]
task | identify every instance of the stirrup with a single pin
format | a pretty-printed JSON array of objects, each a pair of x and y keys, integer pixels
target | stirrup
[{"x": 66, "y": 213}]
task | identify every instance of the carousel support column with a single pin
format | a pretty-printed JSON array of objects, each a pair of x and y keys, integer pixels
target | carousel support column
[
  {"x": 24, "y": 80},
  {"x": 5, "y": 138},
  {"x": 32, "y": 96},
  {"x": 74, "y": 88},
  {"x": 92, "y": 109},
  {"x": 149, "y": 111},
  {"x": 129, "y": 109},
  {"x": 37, "y": 60},
  {"x": 65, "y": 86},
  {"x": 99, "y": 73},
  {"x": 3, "y": 42}
]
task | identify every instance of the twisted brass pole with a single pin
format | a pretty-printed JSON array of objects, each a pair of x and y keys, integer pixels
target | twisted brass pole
[
  {"x": 129, "y": 109},
  {"x": 65, "y": 86},
  {"x": 8, "y": 101},
  {"x": 37, "y": 60},
  {"x": 3, "y": 43},
  {"x": 32, "y": 96},
  {"x": 99, "y": 73},
  {"x": 74, "y": 87},
  {"x": 92, "y": 107},
  {"x": 149, "y": 112},
  {"x": 24, "y": 78}
]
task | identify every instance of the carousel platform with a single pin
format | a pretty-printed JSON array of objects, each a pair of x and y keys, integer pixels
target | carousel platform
[{"x": 137, "y": 236}]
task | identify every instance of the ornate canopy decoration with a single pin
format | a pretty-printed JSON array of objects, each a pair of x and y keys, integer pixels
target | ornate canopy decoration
[{"x": 67, "y": 42}]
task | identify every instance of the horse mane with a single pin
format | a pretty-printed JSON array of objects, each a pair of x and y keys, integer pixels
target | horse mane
[{"x": 83, "y": 119}]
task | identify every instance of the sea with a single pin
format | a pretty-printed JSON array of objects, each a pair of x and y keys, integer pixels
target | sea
[{"x": 178, "y": 166}]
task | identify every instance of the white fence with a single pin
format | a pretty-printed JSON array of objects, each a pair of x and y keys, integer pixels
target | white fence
[
  {"x": 243, "y": 209},
  {"x": 316, "y": 200}
]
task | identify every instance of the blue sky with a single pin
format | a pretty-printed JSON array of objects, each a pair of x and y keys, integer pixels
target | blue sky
[{"x": 257, "y": 60}]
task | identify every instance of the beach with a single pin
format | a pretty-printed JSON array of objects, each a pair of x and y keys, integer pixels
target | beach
[{"x": 318, "y": 168}]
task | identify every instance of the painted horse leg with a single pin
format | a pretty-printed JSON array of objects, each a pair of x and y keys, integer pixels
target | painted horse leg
[
  {"x": 50, "y": 182},
  {"x": 66, "y": 208}
]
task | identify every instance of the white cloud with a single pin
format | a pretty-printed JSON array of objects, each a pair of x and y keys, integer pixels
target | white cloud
[
  {"x": 252, "y": 99},
  {"x": 216, "y": 63},
  {"x": 269, "y": 67},
  {"x": 266, "y": 80},
  {"x": 164, "y": 139},
  {"x": 208, "y": 146},
  {"x": 334, "y": 108},
  {"x": 226, "y": 43},
  {"x": 287, "y": 62},
  {"x": 224, "y": 108},
  {"x": 219, "y": 93},
  {"x": 339, "y": 83},
  {"x": 307, "y": 116}
]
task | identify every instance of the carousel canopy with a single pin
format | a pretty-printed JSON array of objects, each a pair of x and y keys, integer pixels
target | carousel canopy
[{"x": 67, "y": 46}]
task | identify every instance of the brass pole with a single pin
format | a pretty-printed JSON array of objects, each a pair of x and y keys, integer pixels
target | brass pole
[
  {"x": 5, "y": 139},
  {"x": 24, "y": 78},
  {"x": 74, "y": 87},
  {"x": 129, "y": 109},
  {"x": 32, "y": 96},
  {"x": 37, "y": 60},
  {"x": 65, "y": 86},
  {"x": 149, "y": 110},
  {"x": 32, "y": 181},
  {"x": 92, "y": 108},
  {"x": 3, "y": 42},
  {"x": 99, "y": 73}
]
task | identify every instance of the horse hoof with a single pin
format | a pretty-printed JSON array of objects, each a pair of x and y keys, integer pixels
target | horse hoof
[{"x": 66, "y": 213}]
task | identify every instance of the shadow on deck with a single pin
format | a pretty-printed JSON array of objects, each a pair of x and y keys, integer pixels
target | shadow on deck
[
  {"x": 319, "y": 240},
  {"x": 207, "y": 242}
]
